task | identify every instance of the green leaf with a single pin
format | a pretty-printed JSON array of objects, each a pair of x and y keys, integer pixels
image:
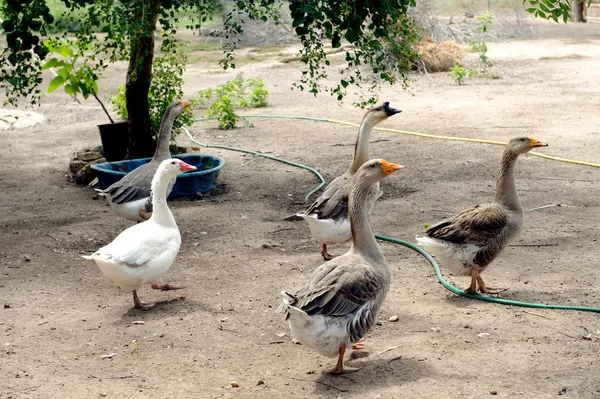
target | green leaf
[
  {"x": 51, "y": 63},
  {"x": 63, "y": 50},
  {"x": 530, "y": 10},
  {"x": 540, "y": 12},
  {"x": 63, "y": 72},
  {"x": 55, "y": 83},
  {"x": 70, "y": 89}
]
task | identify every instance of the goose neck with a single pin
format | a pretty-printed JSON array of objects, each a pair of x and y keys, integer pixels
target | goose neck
[
  {"x": 164, "y": 137},
  {"x": 362, "y": 235},
  {"x": 361, "y": 148},
  {"x": 506, "y": 187},
  {"x": 160, "y": 210}
]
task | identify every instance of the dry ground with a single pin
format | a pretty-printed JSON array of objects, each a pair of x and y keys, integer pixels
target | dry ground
[{"x": 60, "y": 315}]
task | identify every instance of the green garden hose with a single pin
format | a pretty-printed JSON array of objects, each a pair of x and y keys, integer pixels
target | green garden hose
[
  {"x": 407, "y": 244},
  {"x": 260, "y": 154}
]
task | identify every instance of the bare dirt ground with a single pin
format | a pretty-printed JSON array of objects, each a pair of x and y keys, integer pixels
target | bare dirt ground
[{"x": 60, "y": 315}]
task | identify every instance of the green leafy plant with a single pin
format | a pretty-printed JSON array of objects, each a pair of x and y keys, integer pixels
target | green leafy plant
[
  {"x": 480, "y": 45},
  {"x": 75, "y": 77},
  {"x": 258, "y": 93},
  {"x": 460, "y": 74},
  {"x": 236, "y": 93},
  {"x": 166, "y": 86}
]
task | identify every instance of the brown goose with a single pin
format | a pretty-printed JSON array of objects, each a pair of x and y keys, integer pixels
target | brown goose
[
  {"x": 469, "y": 241},
  {"x": 131, "y": 196},
  {"x": 327, "y": 217},
  {"x": 340, "y": 303}
]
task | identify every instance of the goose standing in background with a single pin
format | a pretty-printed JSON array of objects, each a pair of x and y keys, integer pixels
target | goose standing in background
[
  {"x": 469, "y": 241},
  {"x": 130, "y": 197},
  {"x": 327, "y": 217},
  {"x": 339, "y": 305},
  {"x": 143, "y": 253}
]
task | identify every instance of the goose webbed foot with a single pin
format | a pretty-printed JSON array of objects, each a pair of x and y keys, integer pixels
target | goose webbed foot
[
  {"x": 138, "y": 304},
  {"x": 473, "y": 287},
  {"x": 359, "y": 345},
  {"x": 326, "y": 256},
  {"x": 488, "y": 290},
  {"x": 339, "y": 367},
  {"x": 167, "y": 287}
]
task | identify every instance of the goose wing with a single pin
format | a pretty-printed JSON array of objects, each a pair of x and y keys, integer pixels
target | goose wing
[
  {"x": 333, "y": 203},
  {"x": 342, "y": 290},
  {"x": 139, "y": 245},
  {"x": 478, "y": 225},
  {"x": 133, "y": 186}
]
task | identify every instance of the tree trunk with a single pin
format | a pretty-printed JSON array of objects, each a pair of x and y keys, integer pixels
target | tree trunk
[
  {"x": 139, "y": 75},
  {"x": 578, "y": 11}
]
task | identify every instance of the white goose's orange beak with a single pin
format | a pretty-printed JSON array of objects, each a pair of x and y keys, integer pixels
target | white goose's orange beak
[
  {"x": 389, "y": 168},
  {"x": 186, "y": 167},
  {"x": 185, "y": 103},
  {"x": 535, "y": 144}
]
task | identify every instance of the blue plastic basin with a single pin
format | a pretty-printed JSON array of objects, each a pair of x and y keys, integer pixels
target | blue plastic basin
[{"x": 201, "y": 181}]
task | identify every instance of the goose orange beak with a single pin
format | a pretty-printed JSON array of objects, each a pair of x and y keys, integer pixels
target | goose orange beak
[
  {"x": 389, "y": 168},
  {"x": 185, "y": 103},
  {"x": 186, "y": 167},
  {"x": 535, "y": 144}
]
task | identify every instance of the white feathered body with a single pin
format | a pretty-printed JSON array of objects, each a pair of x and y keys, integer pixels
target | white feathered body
[
  {"x": 459, "y": 258},
  {"x": 140, "y": 255},
  {"x": 336, "y": 230},
  {"x": 328, "y": 231},
  {"x": 128, "y": 210},
  {"x": 320, "y": 333}
]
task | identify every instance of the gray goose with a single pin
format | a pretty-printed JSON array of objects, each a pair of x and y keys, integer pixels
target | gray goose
[
  {"x": 130, "y": 197},
  {"x": 327, "y": 217},
  {"x": 469, "y": 241},
  {"x": 340, "y": 303}
]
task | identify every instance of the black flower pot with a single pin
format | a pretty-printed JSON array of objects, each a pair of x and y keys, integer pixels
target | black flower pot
[{"x": 115, "y": 140}]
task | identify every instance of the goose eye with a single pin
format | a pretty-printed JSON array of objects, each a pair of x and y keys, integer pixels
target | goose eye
[{"x": 173, "y": 163}]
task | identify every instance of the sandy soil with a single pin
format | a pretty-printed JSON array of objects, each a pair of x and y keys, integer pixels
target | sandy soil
[{"x": 60, "y": 316}]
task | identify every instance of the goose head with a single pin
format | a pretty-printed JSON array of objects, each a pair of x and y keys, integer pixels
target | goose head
[
  {"x": 381, "y": 112},
  {"x": 376, "y": 169},
  {"x": 521, "y": 145},
  {"x": 173, "y": 167},
  {"x": 177, "y": 106}
]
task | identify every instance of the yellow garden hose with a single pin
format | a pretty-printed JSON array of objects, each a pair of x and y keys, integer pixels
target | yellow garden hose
[{"x": 426, "y": 135}]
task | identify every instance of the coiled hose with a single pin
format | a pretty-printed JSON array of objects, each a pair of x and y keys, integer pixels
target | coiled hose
[{"x": 427, "y": 256}]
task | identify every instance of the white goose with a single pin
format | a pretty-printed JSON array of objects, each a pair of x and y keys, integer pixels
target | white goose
[
  {"x": 327, "y": 217},
  {"x": 130, "y": 197},
  {"x": 339, "y": 305},
  {"x": 143, "y": 253}
]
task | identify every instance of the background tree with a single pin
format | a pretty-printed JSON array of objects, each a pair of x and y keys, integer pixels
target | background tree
[
  {"x": 381, "y": 34},
  {"x": 557, "y": 9}
]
